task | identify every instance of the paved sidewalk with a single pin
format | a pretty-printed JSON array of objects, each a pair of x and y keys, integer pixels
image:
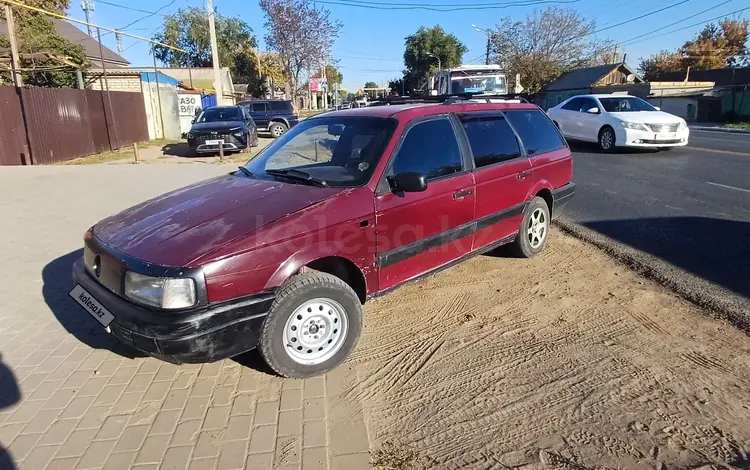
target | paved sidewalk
[{"x": 71, "y": 397}]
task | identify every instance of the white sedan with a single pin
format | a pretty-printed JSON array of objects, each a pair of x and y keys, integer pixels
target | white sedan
[{"x": 618, "y": 121}]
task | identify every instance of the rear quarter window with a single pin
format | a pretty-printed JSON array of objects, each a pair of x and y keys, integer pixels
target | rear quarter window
[
  {"x": 538, "y": 134},
  {"x": 279, "y": 105}
]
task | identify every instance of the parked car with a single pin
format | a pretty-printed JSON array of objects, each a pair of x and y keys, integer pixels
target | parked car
[
  {"x": 273, "y": 116},
  {"x": 618, "y": 121},
  {"x": 231, "y": 125},
  {"x": 281, "y": 254}
]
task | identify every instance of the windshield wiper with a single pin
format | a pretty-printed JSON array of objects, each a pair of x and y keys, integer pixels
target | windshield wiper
[
  {"x": 247, "y": 172},
  {"x": 298, "y": 175}
]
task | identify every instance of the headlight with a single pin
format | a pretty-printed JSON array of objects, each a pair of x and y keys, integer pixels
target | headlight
[
  {"x": 682, "y": 125},
  {"x": 633, "y": 125},
  {"x": 167, "y": 293},
  {"x": 239, "y": 134}
]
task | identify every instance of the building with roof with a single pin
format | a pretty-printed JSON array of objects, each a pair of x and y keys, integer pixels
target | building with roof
[{"x": 605, "y": 78}]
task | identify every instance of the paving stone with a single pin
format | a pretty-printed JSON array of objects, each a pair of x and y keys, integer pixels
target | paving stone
[
  {"x": 216, "y": 417},
  {"x": 120, "y": 460},
  {"x": 290, "y": 422},
  {"x": 292, "y": 384},
  {"x": 22, "y": 445},
  {"x": 96, "y": 455},
  {"x": 262, "y": 439},
  {"x": 288, "y": 450},
  {"x": 109, "y": 395},
  {"x": 176, "y": 458},
  {"x": 206, "y": 464},
  {"x": 348, "y": 462},
  {"x": 127, "y": 403},
  {"x": 60, "y": 399},
  {"x": 139, "y": 383},
  {"x": 195, "y": 408},
  {"x": 77, "y": 443},
  {"x": 94, "y": 417},
  {"x": 203, "y": 387},
  {"x": 157, "y": 391},
  {"x": 8, "y": 432},
  {"x": 58, "y": 432},
  {"x": 25, "y": 412},
  {"x": 314, "y": 433},
  {"x": 291, "y": 399},
  {"x": 262, "y": 461},
  {"x": 184, "y": 380},
  {"x": 222, "y": 396},
  {"x": 232, "y": 455},
  {"x": 113, "y": 427},
  {"x": 77, "y": 407},
  {"x": 132, "y": 438},
  {"x": 41, "y": 422},
  {"x": 150, "y": 366},
  {"x": 176, "y": 400},
  {"x": 39, "y": 457},
  {"x": 314, "y": 408},
  {"x": 266, "y": 412},
  {"x": 166, "y": 372},
  {"x": 62, "y": 464},
  {"x": 153, "y": 449},
  {"x": 314, "y": 458},
  {"x": 186, "y": 433},
  {"x": 238, "y": 428},
  {"x": 45, "y": 390},
  {"x": 123, "y": 375},
  {"x": 208, "y": 444},
  {"x": 349, "y": 435},
  {"x": 165, "y": 422},
  {"x": 243, "y": 404},
  {"x": 93, "y": 386},
  {"x": 247, "y": 383},
  {"x": 210, "y": 370},
  {"x": 314, "y": 387}
]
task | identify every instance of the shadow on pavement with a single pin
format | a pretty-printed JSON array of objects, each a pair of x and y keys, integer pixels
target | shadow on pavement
[
  {"x": 10, "y": 394},
  {"x": 590, "y": 147},
  {"x": 178, "y": 150},
  {"x": 254, "y": 360},
  {"x": 716, "y": 250},
  {"x": 58, "y": 281}
]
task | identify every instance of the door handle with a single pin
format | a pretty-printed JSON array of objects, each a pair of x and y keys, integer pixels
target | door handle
[
  {"x": 462, "y": 194},
  {"x": 524, "y": 174}
]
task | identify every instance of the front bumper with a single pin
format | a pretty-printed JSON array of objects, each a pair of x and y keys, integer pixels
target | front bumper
[
  {"x": 647, "y": 139},
  {"x": 232, "y": 143},
  {"x": 205, "y": 334}
]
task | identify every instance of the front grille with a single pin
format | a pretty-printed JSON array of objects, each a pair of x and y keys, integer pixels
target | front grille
[
  {"x": 228, "y": 138},
  {"x": 671, "y": 141},
  {"x": 663, "y": 127}
]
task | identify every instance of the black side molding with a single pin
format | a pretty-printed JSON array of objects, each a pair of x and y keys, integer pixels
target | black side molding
[{"x": 561, "y": 196}]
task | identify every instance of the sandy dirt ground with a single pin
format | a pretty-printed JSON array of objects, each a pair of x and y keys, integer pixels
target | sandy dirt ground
[{"x": 566, "y": 361}]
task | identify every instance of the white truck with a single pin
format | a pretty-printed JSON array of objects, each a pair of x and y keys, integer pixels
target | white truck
[{"x": 475, "y": 79}]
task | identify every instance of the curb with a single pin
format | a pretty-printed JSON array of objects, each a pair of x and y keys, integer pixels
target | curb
[
  {"x": 718, "y": 302},
  {"x": 720, "y": 129}
]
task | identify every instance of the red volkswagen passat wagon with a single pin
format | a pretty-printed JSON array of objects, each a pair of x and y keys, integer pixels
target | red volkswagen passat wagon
[{"x": 281, "y": 253}]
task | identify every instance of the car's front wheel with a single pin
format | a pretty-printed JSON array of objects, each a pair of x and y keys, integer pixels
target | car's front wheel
[
  {"x": 312, "y": 326},
  {"x": 277, "y": 129},
  {"x": 607, "y": 139},
  {"x": 532, "y": 237}
]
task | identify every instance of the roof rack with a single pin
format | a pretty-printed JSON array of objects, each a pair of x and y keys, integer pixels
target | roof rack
[{"x": 453, "y": 98}]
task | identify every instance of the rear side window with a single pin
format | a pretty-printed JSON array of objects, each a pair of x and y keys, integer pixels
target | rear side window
[
  {"x": 429, "y": 148},
  {"x": 588, "y": 103},
  {"x": 491, "y": 139},
  {"x": 259, "y": 107},
  {"x": 279, "y": 105},
  {"x": 537, "y": 132}
]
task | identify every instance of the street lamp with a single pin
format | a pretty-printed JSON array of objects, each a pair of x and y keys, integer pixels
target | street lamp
[
  {"x": 489, "y": 35},
  {"x": 429, "y": 54}
]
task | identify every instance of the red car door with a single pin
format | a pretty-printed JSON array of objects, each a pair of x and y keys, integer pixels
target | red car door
[
  {"x": 502, "y": 176},
  {"x": 419, "y": 231}
]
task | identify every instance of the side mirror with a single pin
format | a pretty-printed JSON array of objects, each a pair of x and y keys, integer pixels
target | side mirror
[
  {"x": 335, "y": 129},
  {"x": 593, "y": 111},
  {"x": 657, "y": 108},
  {"x": 192, "y": 121},
  {"x": 407, "y": 182}
]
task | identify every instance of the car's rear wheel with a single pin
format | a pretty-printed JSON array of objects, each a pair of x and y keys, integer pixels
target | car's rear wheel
[
  {"x": 312, "y": 326},
  {"x": 532, "y": 237},
  {"x": 607, "y": 139},
  {"x": 277, "y": 129}
]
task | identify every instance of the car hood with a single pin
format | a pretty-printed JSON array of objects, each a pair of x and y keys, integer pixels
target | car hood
[
  {"x": 183, "y": 225},
  {"x": 647, "y": 117},
  {"x": 202, "y": 127}
]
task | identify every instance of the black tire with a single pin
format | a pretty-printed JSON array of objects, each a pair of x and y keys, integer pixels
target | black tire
[
  {"x": 522, "y": 246},
  {"x": 296, "y": 291},
  {"x": 603, "y": 139},
  {"x": 277, "y": 129},
  {"x": 665, "y": 149}
]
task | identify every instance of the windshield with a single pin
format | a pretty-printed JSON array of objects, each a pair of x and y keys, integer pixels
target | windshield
[
  {"x": 341, "y": 151},
  {"x": 479, "y": 84},
  {"x": 625, "y": 104},
  {"x": 220, "y": 114}
]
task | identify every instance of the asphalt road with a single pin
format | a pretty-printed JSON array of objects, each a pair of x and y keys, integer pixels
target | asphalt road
[{"x": 681, "y": 215}]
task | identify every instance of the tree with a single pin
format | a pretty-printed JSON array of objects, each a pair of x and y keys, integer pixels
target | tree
[
  {"x": 302, "y": 34},
  {"x": 544, "y": 45},
  {"x": 397, "y": 86},
  {"x": 434, "y": 41},
  {"x": 188, "y": 29},
  {"x": 371, "y": 85},
  {"x": 718, "y": 45},
  {"x": 35, "y": 33},
  {"x": 333, "y": 76},
  {"x": 664, "y": 61}
]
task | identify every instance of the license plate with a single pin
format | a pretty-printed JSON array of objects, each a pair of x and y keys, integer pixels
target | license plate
[
  {"x": 88, "y": 302},
  {"x": 214, "y": 142},
  {"x": 667, "y": 136}
]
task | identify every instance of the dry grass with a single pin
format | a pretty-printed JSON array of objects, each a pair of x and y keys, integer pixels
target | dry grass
[
  {"x": 738, "y": 125},
  {"x": 393, "y": 456},
  {"x": 122, "y": 154}
]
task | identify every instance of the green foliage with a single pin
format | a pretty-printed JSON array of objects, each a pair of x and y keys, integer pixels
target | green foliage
[
  {"x": 371, "y": 85},
  {"x": 35, "y": 33},
  {"x": 188, "y": 29},
  {"x": 430, "y": 41},
  {"x": 334, "y": 76}
]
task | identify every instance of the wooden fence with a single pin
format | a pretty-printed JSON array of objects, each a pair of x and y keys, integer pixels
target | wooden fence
[{"x": 49, "y": 125}]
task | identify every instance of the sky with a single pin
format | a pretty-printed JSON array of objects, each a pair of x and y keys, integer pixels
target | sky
[{"x": 371, "y": 44}]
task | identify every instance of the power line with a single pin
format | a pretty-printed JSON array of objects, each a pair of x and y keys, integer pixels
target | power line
[
  {"x": 439, "y": 8},
  {"x": 636, "y": 18},
  {"x": 130, "y": 8},
  {"x": 369, "y": 58},
  {"x": 630, "y": 41}
]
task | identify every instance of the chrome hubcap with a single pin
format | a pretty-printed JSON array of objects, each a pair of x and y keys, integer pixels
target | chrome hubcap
[
  {"x": 537, "y": 228},
  {"x": 315, "y": 331},
  {"x": 277, "y": 131},
  {"x": 606, "y": 140}
]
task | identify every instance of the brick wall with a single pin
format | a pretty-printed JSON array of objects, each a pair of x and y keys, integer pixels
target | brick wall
[{"x": 118, "y": 83}]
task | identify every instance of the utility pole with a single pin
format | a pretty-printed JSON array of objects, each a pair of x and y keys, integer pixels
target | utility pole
[
  {"x": 487, "y": 59},
  {"x": 88, "y": 9},
  {"x": 15, "y": 63},
  {"x": 214, "y": 52}
]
